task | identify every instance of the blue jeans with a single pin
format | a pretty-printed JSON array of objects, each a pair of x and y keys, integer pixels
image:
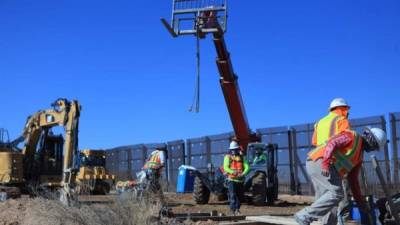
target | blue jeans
[{"x": 235, "y": 190}]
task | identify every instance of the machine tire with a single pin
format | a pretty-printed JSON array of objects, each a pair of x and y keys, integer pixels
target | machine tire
[
  {"x": 258, "y": 188},
  {"x": 101, "y": 188},
  {"x": 272, "y": 192},
  {"x": 201, "y": 193}
]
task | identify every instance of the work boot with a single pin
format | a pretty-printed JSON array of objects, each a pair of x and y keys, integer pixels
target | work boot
[{"x": 301, "y": 220}]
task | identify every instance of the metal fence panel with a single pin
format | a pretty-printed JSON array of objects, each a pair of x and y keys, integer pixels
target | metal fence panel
[
  {"x": 219, "y": 145},
  {"x": 293, "y": 145},
  {"x": 198, "y": 152},
  {"x": 176, "y": 157},
  {"x": 395, "y": 139},
  {"x": 279, "y": 136},
  {"x": 111, "y": 162},
  {"x": 302, "y": 137}
]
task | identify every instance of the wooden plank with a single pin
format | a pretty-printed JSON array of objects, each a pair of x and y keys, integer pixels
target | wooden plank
[
  {"x": 213, "y": 218},
  {"x": 243, "y": 222},
  {"x": 275, "y": 220},
  {"x": 283, "y": 220},
  {"x": 96, "y": 198}
]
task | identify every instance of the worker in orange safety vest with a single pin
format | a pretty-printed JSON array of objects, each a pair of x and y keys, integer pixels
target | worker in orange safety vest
[
  {"x": 236, "y": 167},
  {"x": 155, "y": 164},
  {"x": 328, "y": 164},
  {"x": 332, "y": 124}
]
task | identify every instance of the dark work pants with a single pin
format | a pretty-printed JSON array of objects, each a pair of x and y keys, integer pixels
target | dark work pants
[{"x": 235, "y": 193}]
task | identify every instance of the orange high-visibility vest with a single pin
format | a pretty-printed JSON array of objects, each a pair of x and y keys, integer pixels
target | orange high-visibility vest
[
  {"x": 154, "y": 162},
  {"x": 344, "y": 159},
  {"x": 236, "y": 164},
  {"x": 327, "y": 127}
]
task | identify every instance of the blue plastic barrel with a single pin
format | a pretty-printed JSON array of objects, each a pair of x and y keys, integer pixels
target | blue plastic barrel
[
  {"x": 185, "y": 179},
  {"x": 361, "y": 217}
]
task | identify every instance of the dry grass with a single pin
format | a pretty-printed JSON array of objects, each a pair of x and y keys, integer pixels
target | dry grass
[{"x": 46, "y": 211}]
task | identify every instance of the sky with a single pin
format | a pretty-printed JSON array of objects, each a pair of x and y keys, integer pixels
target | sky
[{"x": 135, "y": 82}]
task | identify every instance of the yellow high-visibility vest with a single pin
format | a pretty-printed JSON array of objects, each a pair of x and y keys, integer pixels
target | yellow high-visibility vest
[{"x": 327, "y": 127}]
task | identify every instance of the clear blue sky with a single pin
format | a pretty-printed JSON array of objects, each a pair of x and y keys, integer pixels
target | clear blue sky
[{"x": 135, "y": 82}]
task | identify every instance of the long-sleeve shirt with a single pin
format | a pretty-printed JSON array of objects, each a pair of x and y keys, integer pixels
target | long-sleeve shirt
[{"x": 337, "y": 142}]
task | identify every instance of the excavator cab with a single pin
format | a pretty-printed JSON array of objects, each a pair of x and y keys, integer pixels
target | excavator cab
[
  {"x": 197, "y": 17},
  {"x": 49, "y": 159}
]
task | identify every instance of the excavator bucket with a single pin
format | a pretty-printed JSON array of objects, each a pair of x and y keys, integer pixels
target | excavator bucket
[{"x": 197, "y": 16}]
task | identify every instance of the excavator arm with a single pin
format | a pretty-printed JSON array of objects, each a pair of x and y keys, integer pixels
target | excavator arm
[{"x": 66, "y": 114}]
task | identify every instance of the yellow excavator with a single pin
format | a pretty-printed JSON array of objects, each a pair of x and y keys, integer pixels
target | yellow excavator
[
  {"x": 92, "y": 177},
  {"x": 42, "y": 162}
]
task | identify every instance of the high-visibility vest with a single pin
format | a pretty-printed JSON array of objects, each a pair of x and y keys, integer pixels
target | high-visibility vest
[
  {"x": 327, "y": 127},
  {"x": 236, "y": 164},
  {"x": 154, "y": 162},
  {"x": 344, "y": 159}
]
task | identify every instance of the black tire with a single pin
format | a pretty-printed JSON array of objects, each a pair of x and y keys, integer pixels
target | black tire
[
  {"x": 101, "y": 188},
  {"x": 272, "y": 192},
  {"x": 276, "y": 186},
  {"x": 201, "y": 194},
  {"x": 258, "y": 188}
]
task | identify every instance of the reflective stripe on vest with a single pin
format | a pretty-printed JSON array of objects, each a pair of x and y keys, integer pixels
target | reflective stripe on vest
[
  {"x": 349, "y": 158},
  {"x": 345, "y": 159},
  {"x": 236, "y": 164},
  {"x": 327, "y": 127},
  {"x": 154, "y": 161}
]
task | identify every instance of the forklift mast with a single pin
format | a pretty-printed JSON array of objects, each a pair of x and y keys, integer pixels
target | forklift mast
[{"x": 202, "y": 17}]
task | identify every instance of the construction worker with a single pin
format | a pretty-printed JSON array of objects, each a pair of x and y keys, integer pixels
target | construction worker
[
  {"x": 328, "y": 163},
  {"x": 260, "y": 157},
  {"x": 332, "y": 124},
  {"x": 154, "y": 166},
  {"x": 236, "y": 167}
]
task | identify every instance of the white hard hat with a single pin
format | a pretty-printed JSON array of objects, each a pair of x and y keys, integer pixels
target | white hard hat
[
  {"x": 380, "y": 136},
  {"x": 234, "y": 145},
  {"x": 338, "y": 102}
]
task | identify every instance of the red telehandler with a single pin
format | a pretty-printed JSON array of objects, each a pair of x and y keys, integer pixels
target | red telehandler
[{"x": 199, "y": 18}]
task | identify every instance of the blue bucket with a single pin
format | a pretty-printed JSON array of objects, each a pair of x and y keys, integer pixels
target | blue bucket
[{"x": 361, "y": 217}]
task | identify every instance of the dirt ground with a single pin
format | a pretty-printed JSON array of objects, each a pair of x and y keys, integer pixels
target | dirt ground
[
  {"x": 123, "y": 211},
  {"x": 286, "y": 205}
]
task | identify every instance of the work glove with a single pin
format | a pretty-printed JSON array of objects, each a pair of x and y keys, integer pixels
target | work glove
[{"x": 325, "y": 172}]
